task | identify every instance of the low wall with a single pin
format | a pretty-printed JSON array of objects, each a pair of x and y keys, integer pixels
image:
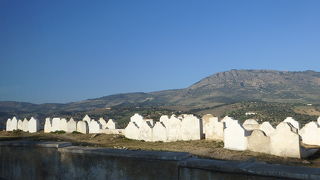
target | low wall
[{"x": 60, "y": 160}]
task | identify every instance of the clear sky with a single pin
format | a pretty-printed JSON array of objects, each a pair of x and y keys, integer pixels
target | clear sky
[{"x": 70, "y": 50}]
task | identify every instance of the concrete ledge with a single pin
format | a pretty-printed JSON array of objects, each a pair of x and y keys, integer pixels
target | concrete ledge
[
  {"x": 26, "y": 143},
  {"x": 252, "y": 168},
  {"x": 141, "y": 154}
]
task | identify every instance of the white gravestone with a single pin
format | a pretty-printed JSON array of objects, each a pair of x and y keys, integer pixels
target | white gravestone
[
  {"x": 250, "y": 124},
  {"x": 86, "y": 118},
  {"x": 55, "y": 125},
  {"x": 8, "y": 125},
  {"x": 33, "y": 125},
  {"x": 47, "y": 125},
  {"x": 218, "y": 129},
  {"x": 138, "y": 119},
  {"x": 111, "y": 124},
  {"x": 259, "y": 142},
  {"x": 267, "y": 128},
  {"x": 25, "y": 125},
  {"x": 235, "y": 137},
  {"x": 20, "y": 124},
  {"x": 228, "y": 121},
  {"x": 94, "y": 127},
  {"x": 173, "y": 126},
  {"x": 318, "y": 121},
  {"x": 293, "y": 122},
  {"x": 310, "y": 134},
  {"x": 132, "y": 131},
  {"x": 71, "y": 126},
  {"x": 103, "y": 123},
  {"x": 82, "y": 127},
  {"x": 159, "y": 132},
  {"x": 164, "y": 119},
  {"x": 209, "y": 122},
  {"x": 191, "y": 128},
  {"x": 63, "y": 125},
  {"x": 14, "y": 124},
  {"x": 145, "y": 131},
  {"x": 285, "y": 141}
]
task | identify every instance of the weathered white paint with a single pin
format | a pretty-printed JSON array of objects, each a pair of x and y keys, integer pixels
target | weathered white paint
[
  {"x": 48, "y": 125},
  {"x": 103, "y": 123},
  {"x": 94, "y": 127},
  {"x": 33, "y": 125},
  {"x": 235, "y": 137},
  {"x": 250, "y": 124},
  {"x": 310, "y": 134},
  {"x": 159, "y": 132},
  {"x": 71, "y": 126},
  {"x": 132, "y": 131},
  {"x": 267, "y": 128},
  {"x": 293, "y": 122},
  {"x": 191, "y": 128},
  {"x": 82, "y": 127},
  {"x": 25, "y": 125},
  {"x": 111, "y": 124}
]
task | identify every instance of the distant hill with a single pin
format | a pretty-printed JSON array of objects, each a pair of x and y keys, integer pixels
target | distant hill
[{"x": 220, "y": 88}]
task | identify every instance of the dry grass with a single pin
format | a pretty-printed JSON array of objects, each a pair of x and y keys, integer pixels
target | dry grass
[{"x": 201, "y": 148}]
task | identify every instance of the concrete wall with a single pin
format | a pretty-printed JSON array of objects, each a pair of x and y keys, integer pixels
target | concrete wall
[{"x": 45, "y": 160}]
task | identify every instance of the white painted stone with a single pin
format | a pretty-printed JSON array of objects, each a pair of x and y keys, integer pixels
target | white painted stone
[
  {"x": 259, "y": 142},
  {"x": 293, "y": 122},
  {"x": 47, "y": 125},
  {"x": 33, "y": 125},
  {"x": 190, "y": 128},
  {"x": 151, "y": 122},
  {"x": 63, "y": 125},
  {"x": 164, "y": 119},
  {"x": 235, "y": 137},
  {"x": 267, "y": 128},
  {"x": 112, "y": 131},
  {"x": 25, "y": 125},
  {"x": 173, "y": 127},
  {"x": 228, "y": 121},
  {"x": 160, "y": 132},
  {"x": 103, "y": 123},
  {"x": 87, "y": 118},
  {"x": 285, "y": 141},
  {"x": 14, "y": 124},
  {"x": 94, "y": 127},
  {"x": 250, "y": 124},
  {"x": 111, "y": 124},
  {"x": 146, "y": 131},
  {"x": 310, "y": 134},
  {"x": 8, "y": 125},
  {"x": 212, "y": 127},
  {"x": 132, "y": 131},
  {"x": 20, "y": 124},
  {"x": 318, "y": 121},
  {"x": 55, "y": 124},
  {"x": 82, "y": 127},
  {"x": 138, "y": 119},
  {"x": 71, "y": 126}
]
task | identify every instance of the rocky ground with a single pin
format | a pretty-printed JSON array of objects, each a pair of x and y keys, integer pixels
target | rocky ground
[{"x": 201, "y": 148}]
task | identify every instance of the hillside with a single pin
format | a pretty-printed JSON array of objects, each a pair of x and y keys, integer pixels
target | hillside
[{"x": 218, "y": 89}]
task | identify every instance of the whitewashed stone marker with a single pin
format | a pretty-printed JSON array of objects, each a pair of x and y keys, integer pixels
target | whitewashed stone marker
[
  {"x": 8, "y": 125},
  {"x": 86, "y": 118},
  {"x": 25, "y": 125},
  {"x": 14, "y": 124},
  {"x": 250, "y": 124},
  {"x": 82, "y": 127},
  {"x": 63, "y": 125},
  {"x": 267, "y": 128},
  {"x": 235, "y": 137},
  {"x": 132, "y": 131},
  {"x": 111, "y": 124},
  {"x": 310, "y": 134},
  {"x": 159, "y": 132},
  {"x": 20, "y": 124},
  {"x": 285, "y": 141},
  {"x": 138, "y": 119},
  {"x": 145, "y": 131},
  {"x": 212, "y": 128},
  {"x": 164, "y": 119},
  {"x": 190, "y": 128},
  {"x": 71, "y": 126},
  {"x": 94, "y": 127},
  {"x": 33, "y": 125},
  {"x": 55, "y": 124},
  {"x": 228, "y": 121},
  {"x": 259, "y": 142},
  {"x": 218, "y": 128},
  {"x": 48, "y": 125},
  {"x": 103, "y": 123},
  {"x": 318, "y": 121},
  {"x": 293, "y": 122},
  {"x": 173, "y": 126}
]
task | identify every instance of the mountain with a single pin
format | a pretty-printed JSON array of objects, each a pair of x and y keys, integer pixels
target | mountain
[{"x": 220, "y": 88}]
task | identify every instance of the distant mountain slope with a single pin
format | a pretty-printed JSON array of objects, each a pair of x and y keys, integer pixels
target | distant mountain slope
[{"x": 224, "y": 87}]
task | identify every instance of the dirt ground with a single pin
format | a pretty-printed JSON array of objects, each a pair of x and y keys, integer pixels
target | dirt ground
[{"x": 201, "y": 148}]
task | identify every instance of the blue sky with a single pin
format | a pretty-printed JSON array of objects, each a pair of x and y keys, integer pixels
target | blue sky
[{"x": 63, "y": 51}]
